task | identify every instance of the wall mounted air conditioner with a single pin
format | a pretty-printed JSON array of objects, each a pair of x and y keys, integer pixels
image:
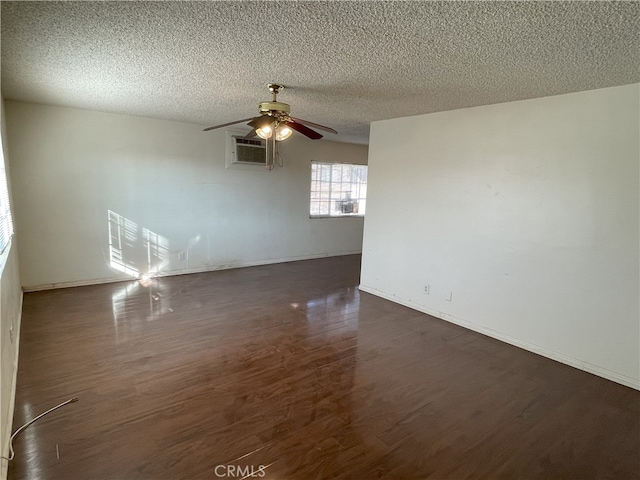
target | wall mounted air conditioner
[{"x": 248, "y": 151}]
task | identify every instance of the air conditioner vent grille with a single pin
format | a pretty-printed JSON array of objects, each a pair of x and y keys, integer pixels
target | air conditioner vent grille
[
  {"x": 248, "y": 141},
  {"x": 249, "y": 151}
]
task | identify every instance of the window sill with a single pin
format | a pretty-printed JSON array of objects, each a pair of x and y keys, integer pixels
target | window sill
[{"x": 336, "y": 216}]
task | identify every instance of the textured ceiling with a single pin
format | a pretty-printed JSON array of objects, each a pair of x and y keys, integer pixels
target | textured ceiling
[{"x": 345, "y": 64}]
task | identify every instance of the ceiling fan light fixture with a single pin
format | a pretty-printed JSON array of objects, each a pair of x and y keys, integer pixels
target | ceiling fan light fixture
[
  {"x": 283, "y": 132},
  {"x": 264, "y": 132}
]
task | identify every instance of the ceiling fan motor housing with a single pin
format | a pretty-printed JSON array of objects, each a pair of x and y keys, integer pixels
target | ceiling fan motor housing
[{"x": 279, "y": 107}]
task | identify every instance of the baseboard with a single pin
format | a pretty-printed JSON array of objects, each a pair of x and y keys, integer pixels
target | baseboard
[
  {"x": 553, "y": 355},
  {"x": 79, "y": 283},
  {"x": 12, "y": 400},
  {"x": 186, "y": 271}
]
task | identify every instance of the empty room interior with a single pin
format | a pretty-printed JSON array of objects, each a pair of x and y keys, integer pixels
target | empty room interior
[{"x": 314, "y": 240}]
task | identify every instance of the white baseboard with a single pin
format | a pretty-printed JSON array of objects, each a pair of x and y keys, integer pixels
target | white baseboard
[
  {"x": 560, "y": 357},
  {"x": 186, "y": 271}
]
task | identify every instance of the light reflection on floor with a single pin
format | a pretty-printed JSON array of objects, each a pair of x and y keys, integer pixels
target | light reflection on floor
[{"x": 127, "y": 303}]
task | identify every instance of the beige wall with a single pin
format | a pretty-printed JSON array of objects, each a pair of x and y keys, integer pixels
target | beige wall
[
  {"x": 10, "y": 311},
  {"x": 520, "y": 219},
  {"x": 170, "y": 182}
]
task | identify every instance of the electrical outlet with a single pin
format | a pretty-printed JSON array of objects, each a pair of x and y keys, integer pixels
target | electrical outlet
[
  {"x": 427, "y": 289},
  {"x": 182, "y": 256}
]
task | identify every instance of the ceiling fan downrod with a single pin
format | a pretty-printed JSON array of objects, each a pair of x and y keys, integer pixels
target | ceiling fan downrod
[{"x": 275, "y": 89}]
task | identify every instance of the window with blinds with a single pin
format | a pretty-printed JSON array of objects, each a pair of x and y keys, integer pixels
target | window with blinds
[
  {"x": 6, "y": 222},
  {"x": 338, "y": 189}
]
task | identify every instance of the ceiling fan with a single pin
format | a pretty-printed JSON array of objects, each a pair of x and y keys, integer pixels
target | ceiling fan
[{"x": 274, "y": 117}]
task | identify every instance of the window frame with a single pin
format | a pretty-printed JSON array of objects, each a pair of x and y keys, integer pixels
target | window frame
[{"x": 331, "y": 200}]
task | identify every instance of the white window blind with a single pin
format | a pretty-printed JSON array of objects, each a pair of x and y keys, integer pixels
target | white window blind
[{"x": 6, "y": 222}]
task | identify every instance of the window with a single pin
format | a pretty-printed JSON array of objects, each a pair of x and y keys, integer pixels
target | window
[
  {"x": 6, "y": 222},
  {"x": 338, "y": 189}
]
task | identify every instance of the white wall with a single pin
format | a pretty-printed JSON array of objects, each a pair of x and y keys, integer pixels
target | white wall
[
  {"x": 70, "y": 167},
  {"x": 10, "y": 314},
  {"x": 522, "y": 218}
]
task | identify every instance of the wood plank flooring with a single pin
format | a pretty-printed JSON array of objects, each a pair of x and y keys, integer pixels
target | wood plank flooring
[{"x": 289, "y": 372}]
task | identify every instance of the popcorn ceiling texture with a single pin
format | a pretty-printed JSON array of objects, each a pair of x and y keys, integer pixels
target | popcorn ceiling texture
[{"x": 345, "y": 64}]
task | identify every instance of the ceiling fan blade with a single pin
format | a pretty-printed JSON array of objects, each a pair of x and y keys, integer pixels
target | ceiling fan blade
[
  {"x": 251, "y": 134},
  {"x": 261, "y": 121},
  {"x": 304, "y": 130},
  {"x": 314, "y": 125},
  {"x": 226, "y": 124}
]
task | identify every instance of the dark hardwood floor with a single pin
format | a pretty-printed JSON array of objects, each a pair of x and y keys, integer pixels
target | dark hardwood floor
[{"x": 289, "y": 372}]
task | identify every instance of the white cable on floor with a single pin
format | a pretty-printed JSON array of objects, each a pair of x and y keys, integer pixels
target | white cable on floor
[{"x": 18, "y": 431}]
